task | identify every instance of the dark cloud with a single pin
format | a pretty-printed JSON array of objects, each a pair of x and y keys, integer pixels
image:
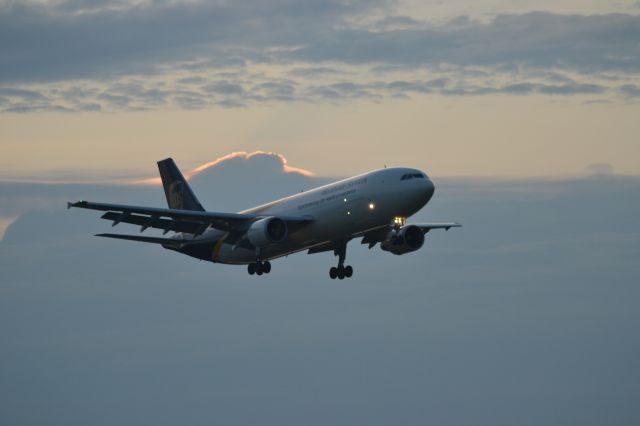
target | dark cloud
[
  {"x": 90, "y": 107},
  {"x": 192, "y": 80},
  {"x": 27, "y": 95},
  {"x": 44, "y": 43},
  {"x": 583, "y": 43},
  {"x": 41, "y": 42},
  {"x": 313, "y": 72},
  {"x": 240, "y": 91},
  {"x": 115, "y": 100},
  {"x": 117, "y": 48},
  {"x": 630, "y": 90},
  {"x": 224, "y": 88},
  {"x": 190, "y": 99},
  {"x": 527, "y": 315}
]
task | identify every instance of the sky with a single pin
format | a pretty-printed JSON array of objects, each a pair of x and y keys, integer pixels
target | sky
[
  {"x": 459, "y": 88},
  {"x": 524, "y": 114},
  {"x": 526, "y": 315}
]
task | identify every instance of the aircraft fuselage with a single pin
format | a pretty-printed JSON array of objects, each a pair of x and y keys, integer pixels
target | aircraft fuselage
[{"x": 339, "y": 210}]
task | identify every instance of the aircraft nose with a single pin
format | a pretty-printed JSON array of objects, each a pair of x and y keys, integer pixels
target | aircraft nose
[{"x": 428, "y": 188}]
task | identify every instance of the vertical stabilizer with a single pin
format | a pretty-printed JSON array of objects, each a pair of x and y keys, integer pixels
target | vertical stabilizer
[{"x": 178, "y": 192}]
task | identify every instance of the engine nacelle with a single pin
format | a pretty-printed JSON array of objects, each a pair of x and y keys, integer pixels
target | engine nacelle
[
  {"x": 405, "y": 240},
  {"x": 267, "y": 231}
]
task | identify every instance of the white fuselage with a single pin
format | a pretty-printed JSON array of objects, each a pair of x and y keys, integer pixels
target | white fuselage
[{"x": 340, "y": 211}]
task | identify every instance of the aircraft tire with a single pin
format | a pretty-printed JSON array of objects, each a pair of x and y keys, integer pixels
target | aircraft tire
[
  {"x": 251, "y": 268},
  {"x": 348, "y": 271},
  {"x": 267, "y": 267},
  {"x": 333, "y": 273}
]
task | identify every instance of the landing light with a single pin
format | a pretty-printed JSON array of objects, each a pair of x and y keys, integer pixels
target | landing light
[
  {"x": 372, "y": 206},
  {"x": 399, "y": 220}
]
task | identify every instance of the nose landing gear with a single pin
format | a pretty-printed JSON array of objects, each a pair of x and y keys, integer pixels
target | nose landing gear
[{"x": 341, "y": 272}]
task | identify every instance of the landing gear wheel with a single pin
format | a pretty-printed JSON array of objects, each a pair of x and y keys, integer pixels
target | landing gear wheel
[
  {"x": 333, "y": 273},
  {"x": 341, "y": 272},
  {"x": 266, "y": 266},
  {"x": 348, "y": 271},
  {"x": 251, "y": 268}
]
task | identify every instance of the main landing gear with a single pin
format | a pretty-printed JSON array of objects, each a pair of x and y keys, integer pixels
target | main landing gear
[
  {"x": 341, "y": 272},
  {"x": 259, "y": 268}
]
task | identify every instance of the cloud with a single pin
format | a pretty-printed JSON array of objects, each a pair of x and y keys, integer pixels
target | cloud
[
  {"x": 140, "y": 38},
  {"x": 110, "y": 41},
  {"x": 586, "y": 44},
  {"x": 24, "y": 94},
  {"x": 195, "y": 55},
  {"x": 242, "y": 91},
  {"x": 314, "y": 72},
  {"x": 599, "y": 169},
  {"x": 211, "y": 181},
  {"x": 90, "y": 326},
  {"x": 243, "y": 165},
  {"x": 630, "y": 90}
]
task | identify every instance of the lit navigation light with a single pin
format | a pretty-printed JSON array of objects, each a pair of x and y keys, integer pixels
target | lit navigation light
[{"x": 372, "y": 206}]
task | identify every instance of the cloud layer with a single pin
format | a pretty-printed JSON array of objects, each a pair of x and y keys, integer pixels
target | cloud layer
[
  {"x": 107, "y": 55},
  {"x": 526, "y": 315}
]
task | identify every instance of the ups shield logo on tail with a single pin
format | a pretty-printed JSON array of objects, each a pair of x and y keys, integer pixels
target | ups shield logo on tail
[{"x": 176, "y": 195}]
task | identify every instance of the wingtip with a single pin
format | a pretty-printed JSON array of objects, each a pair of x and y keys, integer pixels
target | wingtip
[{"x": 80, "y": 203}]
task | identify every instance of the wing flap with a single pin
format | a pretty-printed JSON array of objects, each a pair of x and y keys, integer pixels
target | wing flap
[
  {"x": 152, "y": 222},
  {"x": 168, "y": 242},
  {"x": 223, "y": 221},
  {"x": 189, "y": 221}
]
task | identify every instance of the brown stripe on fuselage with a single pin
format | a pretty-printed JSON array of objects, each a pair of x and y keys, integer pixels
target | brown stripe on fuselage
[{"x": 218, "y": 247}]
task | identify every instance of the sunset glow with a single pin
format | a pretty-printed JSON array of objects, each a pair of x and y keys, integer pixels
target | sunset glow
[{"x": 239, "y": 154}]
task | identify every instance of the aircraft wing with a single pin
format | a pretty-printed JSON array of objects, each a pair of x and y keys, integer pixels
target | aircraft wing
[
  {"x": 378, "y": 234},
  {"x": 426, "y": 227},
  {"x": 188, "y": 221},
  {"x": 169, "y": 242}
]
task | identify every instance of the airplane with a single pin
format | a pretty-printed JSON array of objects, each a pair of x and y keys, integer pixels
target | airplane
[{"x": 373, "y": 206}]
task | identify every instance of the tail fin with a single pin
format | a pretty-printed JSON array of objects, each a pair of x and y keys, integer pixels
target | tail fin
[{"x": 179, "y": 194}]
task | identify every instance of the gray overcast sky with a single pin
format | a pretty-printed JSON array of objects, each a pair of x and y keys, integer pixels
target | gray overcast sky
[{"x": 525, "y": 316}]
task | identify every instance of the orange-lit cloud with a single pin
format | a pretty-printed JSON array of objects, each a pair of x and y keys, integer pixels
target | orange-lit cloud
[{"x": 238, "y": 154}]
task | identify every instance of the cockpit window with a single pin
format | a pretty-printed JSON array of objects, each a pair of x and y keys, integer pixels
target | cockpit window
[{"x": 412, "y": 176}]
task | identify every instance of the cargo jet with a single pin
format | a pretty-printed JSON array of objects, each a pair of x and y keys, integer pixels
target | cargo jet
[{"x": 373, "y": 206}]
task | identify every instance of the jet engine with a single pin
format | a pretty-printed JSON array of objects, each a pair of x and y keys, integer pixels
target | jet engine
[
  {"x": 267, "y": 231},
  {"x": 404, "y": 240}
]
